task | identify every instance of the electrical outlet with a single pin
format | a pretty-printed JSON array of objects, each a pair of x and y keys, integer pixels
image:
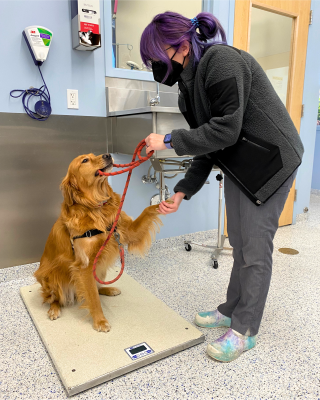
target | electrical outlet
[{"x": 73, "y": 99}]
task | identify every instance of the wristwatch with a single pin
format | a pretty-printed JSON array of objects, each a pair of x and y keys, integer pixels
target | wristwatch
[{"x": 167, "y": 141}]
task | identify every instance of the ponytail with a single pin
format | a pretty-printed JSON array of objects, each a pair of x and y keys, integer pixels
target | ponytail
[
  {"x": 205, "y": 31},
  {"x": 173, "y": 29}
]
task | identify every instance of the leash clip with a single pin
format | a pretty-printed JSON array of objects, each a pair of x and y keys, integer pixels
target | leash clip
[{"x": 117, "y": 237}]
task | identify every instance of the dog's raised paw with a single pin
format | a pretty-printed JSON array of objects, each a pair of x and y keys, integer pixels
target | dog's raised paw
[
  {"x": 102, "y": 325},
  {"x": 153, "y": 209}
]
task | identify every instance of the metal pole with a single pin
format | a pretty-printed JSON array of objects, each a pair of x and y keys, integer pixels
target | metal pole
[
  {"x": 162, "y": 187},
  {"x": 117, "y": 63},
  {"x": 220, "y": 213},
  {"x": 154, "y": 123},
  {"x": 154, "y": 129}
]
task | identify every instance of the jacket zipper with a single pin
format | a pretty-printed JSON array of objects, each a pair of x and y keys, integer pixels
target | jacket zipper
[{"x": 255, "y": 144}]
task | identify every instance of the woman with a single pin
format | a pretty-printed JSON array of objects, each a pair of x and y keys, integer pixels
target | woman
[{"x": 237, "y": 122}]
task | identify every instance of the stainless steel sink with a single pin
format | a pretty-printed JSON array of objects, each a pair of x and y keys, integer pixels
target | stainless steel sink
[
  {"x": 134, "y": 110},
  {"x": 143, "y": 110},
  {"x": 131, "y": 119}
]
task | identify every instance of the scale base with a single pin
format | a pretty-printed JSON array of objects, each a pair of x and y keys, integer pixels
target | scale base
[{"x": 85, "y": 358}]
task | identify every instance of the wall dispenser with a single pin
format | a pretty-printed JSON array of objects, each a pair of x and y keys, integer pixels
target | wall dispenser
[
  {"x": 38, "y": 39},
  {"x": 85, "y": 24}
]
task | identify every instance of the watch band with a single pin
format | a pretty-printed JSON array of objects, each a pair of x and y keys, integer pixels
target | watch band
[{"x": 167, "y": 141}]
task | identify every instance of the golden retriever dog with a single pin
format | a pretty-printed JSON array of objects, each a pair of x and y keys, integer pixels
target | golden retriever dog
[{"x": 65, "y": 271}]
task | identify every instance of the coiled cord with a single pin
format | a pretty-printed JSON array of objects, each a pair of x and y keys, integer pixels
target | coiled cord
[{"x": 42, "y": 112}]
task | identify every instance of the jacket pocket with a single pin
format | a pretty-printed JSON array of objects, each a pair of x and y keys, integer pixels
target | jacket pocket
[{"x": 251, "y": 161}]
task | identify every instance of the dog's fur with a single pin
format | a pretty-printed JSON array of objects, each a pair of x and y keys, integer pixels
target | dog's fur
[{"x": 65, "y": 274}]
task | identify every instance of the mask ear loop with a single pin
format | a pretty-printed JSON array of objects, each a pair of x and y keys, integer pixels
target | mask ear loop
[{"x": 176, "y": 53}]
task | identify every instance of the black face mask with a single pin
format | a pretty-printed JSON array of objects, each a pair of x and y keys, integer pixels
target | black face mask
[{"x": 159, "y": 69}]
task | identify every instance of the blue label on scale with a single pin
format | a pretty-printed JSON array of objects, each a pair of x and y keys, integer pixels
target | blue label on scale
[{"x": 138, "y": 351}]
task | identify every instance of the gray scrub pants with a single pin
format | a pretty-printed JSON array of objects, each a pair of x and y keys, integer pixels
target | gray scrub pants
[{"x": 251, "y": 230}]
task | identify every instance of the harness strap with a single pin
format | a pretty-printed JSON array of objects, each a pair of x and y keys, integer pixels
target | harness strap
[{"x": 90, "y": 233}]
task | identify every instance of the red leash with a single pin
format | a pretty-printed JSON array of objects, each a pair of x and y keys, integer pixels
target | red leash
[{"x": 134, "y": 163}]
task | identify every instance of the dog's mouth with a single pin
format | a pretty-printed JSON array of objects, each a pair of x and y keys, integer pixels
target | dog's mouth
[{"x": 105, "y": 169}]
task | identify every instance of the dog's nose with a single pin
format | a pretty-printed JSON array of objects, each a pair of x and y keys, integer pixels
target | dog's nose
[{"x": 107, "y": 156}]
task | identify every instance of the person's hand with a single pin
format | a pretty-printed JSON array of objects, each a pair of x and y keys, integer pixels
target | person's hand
[
  {"x": 154, "y": 142},
  {"x": 171, "y": 205}
]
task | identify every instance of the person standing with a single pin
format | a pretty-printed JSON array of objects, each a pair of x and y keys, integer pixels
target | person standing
[{"x": 237, "y": 122}]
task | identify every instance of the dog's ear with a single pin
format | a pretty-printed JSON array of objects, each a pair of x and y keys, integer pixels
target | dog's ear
[{"x": 69, "y": 188}]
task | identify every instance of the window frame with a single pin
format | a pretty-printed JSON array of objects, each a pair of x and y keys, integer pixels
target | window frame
[{"x": 224, "y": 11}]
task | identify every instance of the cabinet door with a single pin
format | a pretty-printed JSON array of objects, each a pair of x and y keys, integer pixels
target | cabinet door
[{"x": 276, "y": 34}]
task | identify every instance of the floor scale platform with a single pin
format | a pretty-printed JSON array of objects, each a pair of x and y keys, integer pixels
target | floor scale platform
[{"x": 143, "y": 330}]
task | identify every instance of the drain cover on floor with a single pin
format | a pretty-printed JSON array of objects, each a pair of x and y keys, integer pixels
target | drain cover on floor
[{"x": 286, "y": 250}]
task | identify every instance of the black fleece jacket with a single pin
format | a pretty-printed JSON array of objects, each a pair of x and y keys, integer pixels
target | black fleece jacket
[{"x": 225, "y": 99}]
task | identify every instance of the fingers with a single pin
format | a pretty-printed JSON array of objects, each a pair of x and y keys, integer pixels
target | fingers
[
  {"x": 148, "y": 143},
  {"x": 165, "y": 208},
  {"x": 148, "y": 140},
  {"x": 154, "y": 142},
  {"x": 168, "y": 205}
]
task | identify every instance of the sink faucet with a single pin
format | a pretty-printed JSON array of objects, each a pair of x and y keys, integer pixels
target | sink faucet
[{"x": 156, "y": 100}]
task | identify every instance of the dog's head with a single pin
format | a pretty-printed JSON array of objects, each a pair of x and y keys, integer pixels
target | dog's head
[{"x": 83, "y": 184}]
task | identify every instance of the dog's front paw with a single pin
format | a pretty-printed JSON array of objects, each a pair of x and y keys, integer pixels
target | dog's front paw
[
  {"x": 101, "y": 325},
  {"x": 169, "y": 201},
  {"x": 155, "y": 208},
  {"x": 109, "y": 291},
  {"x": 54, "y": 311}
]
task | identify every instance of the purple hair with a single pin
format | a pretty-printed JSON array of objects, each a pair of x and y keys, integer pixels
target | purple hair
[{"x": 173, "y": 29}]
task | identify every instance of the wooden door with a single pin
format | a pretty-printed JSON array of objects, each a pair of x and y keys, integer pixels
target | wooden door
[{"x": 250, "y": 18}]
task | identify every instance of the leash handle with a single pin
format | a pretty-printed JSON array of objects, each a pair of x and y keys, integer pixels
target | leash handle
[{"x": 130, "y": 166}]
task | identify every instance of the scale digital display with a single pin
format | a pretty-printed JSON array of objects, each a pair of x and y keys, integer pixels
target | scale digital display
[{"x": 138, "y": 351}]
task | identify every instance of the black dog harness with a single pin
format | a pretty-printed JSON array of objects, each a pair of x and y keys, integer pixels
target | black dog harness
[{"x": 93, "y": 232}]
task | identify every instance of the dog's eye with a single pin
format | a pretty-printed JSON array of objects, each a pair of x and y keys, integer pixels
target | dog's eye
[{"x": 85, "y": 160}]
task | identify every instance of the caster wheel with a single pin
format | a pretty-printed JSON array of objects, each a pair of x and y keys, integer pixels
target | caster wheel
[
  {"x": 188, "y": 247},
  {"x": 215, "y": 264}
]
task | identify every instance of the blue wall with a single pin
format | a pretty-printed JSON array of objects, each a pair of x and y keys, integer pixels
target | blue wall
[
  {"x": 224, "y": 11},
  {"x": 64, "y": 68},
  {"x": 309, "y": 120},
  {"x": 315, "y": 184}
]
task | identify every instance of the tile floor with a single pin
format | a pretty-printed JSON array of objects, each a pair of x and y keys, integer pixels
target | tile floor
[{"x": 285, "y": 364}]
